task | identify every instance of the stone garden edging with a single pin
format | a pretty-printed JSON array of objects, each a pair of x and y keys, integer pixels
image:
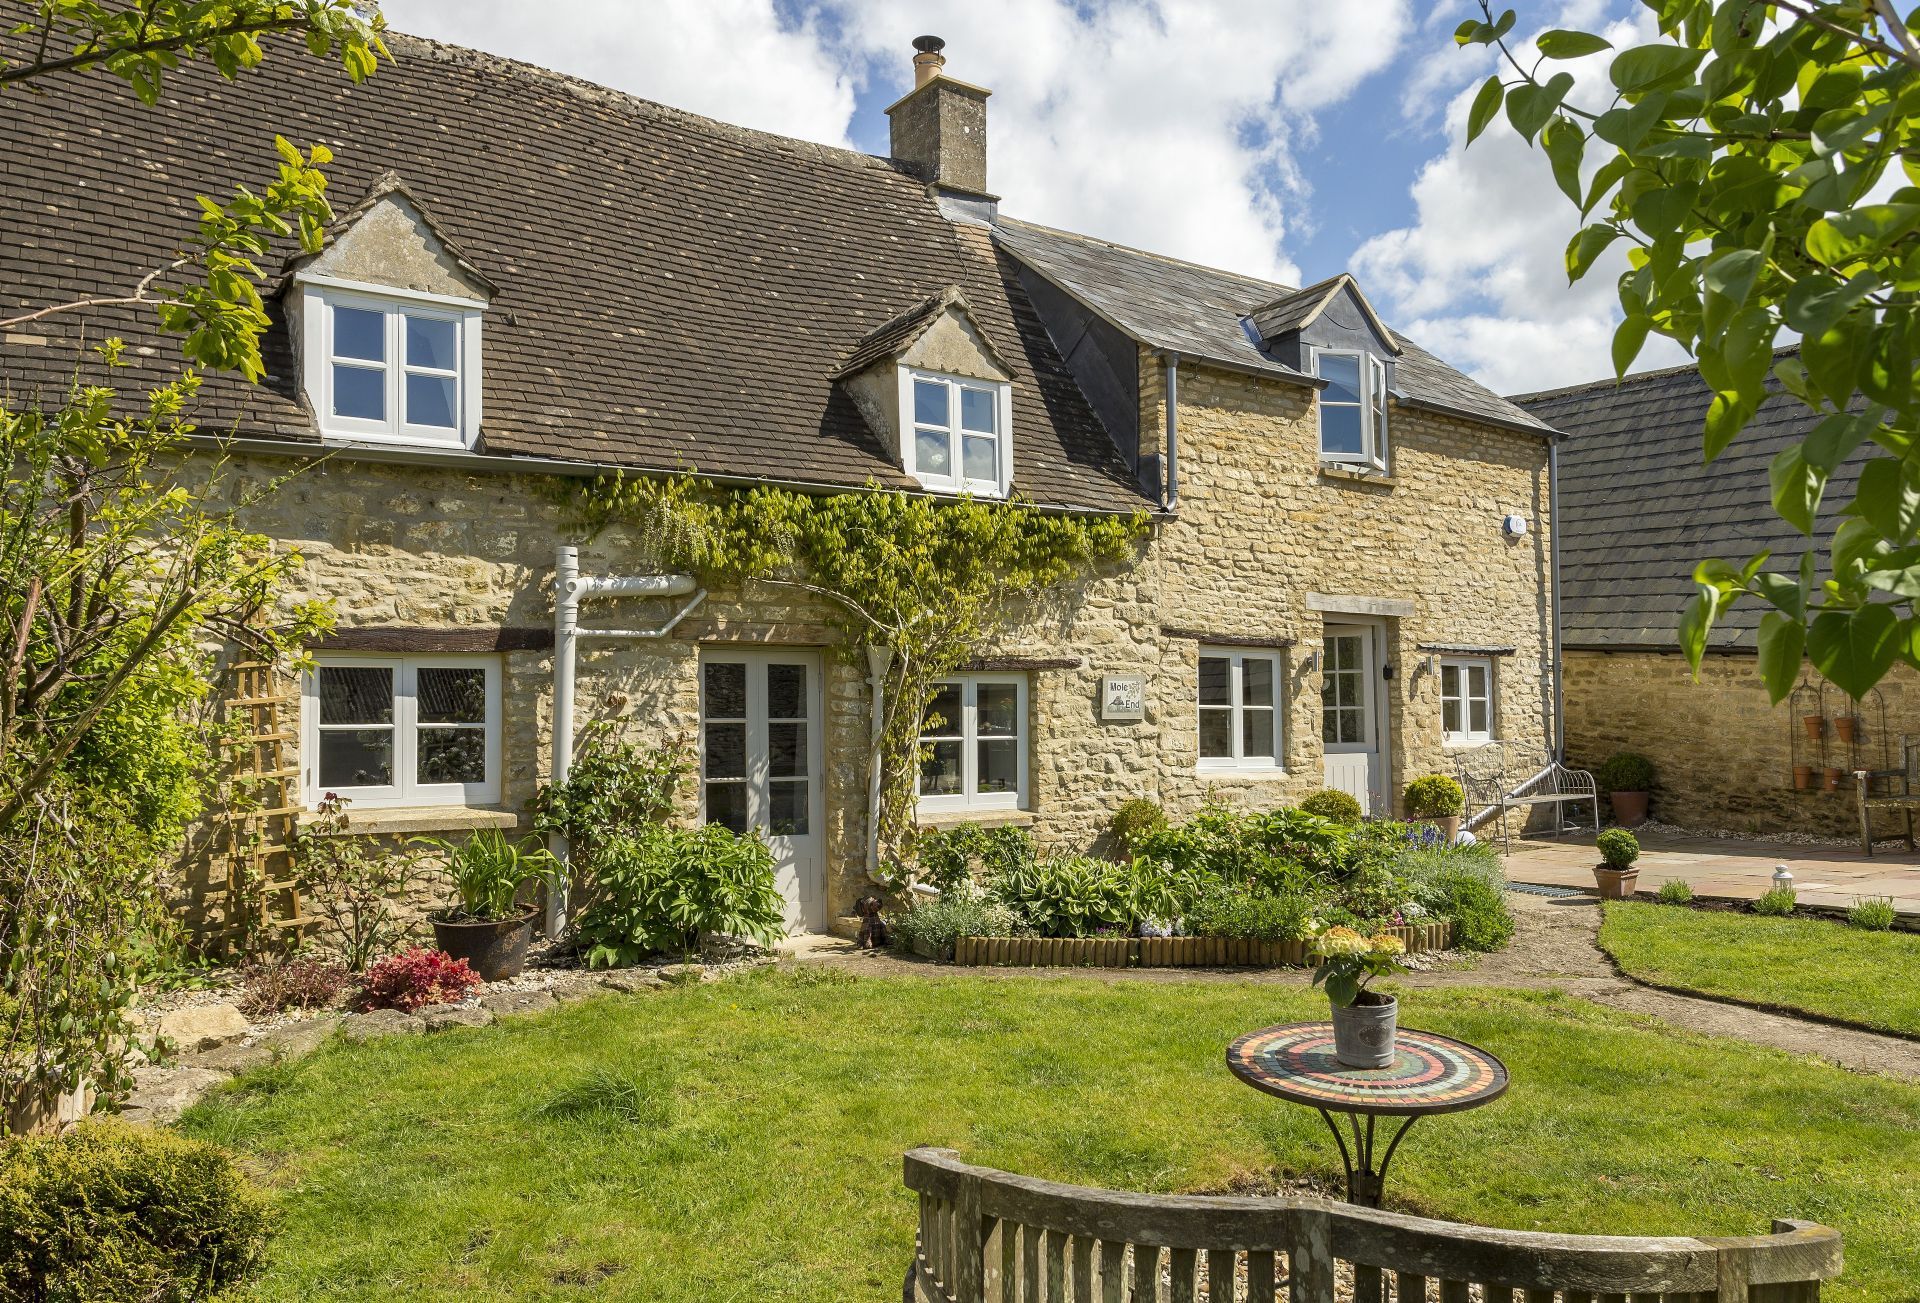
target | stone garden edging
[{"x": 1164, "y": 952}]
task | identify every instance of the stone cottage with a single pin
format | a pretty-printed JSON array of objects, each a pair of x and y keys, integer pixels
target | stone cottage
[{"x": 534, "y": 279}]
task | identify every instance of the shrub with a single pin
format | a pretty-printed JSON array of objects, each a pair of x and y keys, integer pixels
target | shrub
[
  {"x": 274, "y": 987},
  {"x": 1874, "y": 913},
  {"x": 1136, "y": 819},
  {"x": 1069, "y": 895},
  {"x": 612, "y": 788},
  {"x": 1234, "y": 912},
  {"x": 1476, "y": 906},
  {"x": 952, "y": 859},
  {"x": 661, "y": 888},
  {"x": 1626, "y": 772},
  {"x": 1618, "y": 847},
  {"x": 1777, "y": 903},
  {"x": 488, "y": 872},
  {"x": 418, "y": 975},
  {"x": 111, "y": 1211},
  {"x": 1418, "y": 862},
  {"x": 1674, "y": 891},
  {"x": 356, "y": 884},
  {"x": 1340, "y": 807},
  {"x": 1434, "y": 796},
  {"x": 1372, "y": 891},
  {"x": 938, "y": 923}
]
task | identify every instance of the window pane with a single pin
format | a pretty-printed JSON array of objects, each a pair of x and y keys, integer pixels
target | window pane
[
  {"x": 726, "y": 751},
  {"x": 359, "y": 393},
  {"x": 431, "y": 401},
  {"x": 786, "y": 692},
  {"x": 1216, "y": 733},
  {"x": 1256, "y": 681},
  {"x": 976, "y": 410},
  {"x": 931, "y": 453},
  {"x": 997, "y": 710},
  {"x": 1477, "y": 713},
  {"x": 451, "y": 696},
  {"x": 980, "y": 459},
  {"x": 1341, "y": 371},
  {"x": 940, "y": 769},
  {"x": 930, "y": 402},
  {"x": 1477, "y": 680},
  {"x": 943, "y": 712},
  {"x": 1256, "y": 733},
  {"x": 359, "y": 757},
  {"x": 1449, "y": 715},
  {"x": 998, "y": 766},
  {"x": 1216, "y": 681},
  {"x": 356, "y": 694},
  {"x": 787, "y": 816},
  {"x": 1449, "y": 680},
  {"x": 1340, "y": 429},
  {"x": 453, "y": 755},
  {"x": 430, "y": 342},
  {"x": 787, "y": 750},
  {"x": 360, "y": 333},
  {"x": 726, "y": 690},
  {"x": 727, "y": 805}
]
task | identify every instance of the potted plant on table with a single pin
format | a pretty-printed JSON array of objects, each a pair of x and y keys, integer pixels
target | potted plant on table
[
  {"x": 487, "y": 925},
  {"x": 1626, "y": 779},
  {"x": 1615, "y": 874},
  {"x": 1438, "y": 800},
  {"x": 1364, "y": 1021}
]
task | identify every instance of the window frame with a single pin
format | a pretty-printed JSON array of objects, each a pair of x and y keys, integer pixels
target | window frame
[
  {"x": 406, "y": 790},
  {"x": 969, "y": 797},
  {"x": 1467, "y": 735},
  {"x": 321, "y": 296},
  {"x": 1371, "y": 404},
  {"x": 957, "y": 481},
  {"x": 1236, "y": 709}
]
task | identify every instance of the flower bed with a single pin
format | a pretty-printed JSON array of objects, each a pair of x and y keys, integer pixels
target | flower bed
[{"x": 1164, "y": 952}]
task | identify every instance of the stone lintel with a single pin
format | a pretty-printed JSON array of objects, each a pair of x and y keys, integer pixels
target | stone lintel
[{"x": 1344, "y": 604}]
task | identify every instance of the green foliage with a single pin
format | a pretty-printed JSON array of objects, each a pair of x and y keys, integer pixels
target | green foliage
[
  {"x": 1071, "y": 895},
  {"x": 1350, "y": 960},
  {"x": 1134, "y": 820},
  {"x": 936, "y": 924},
  {"x": 955, "y": 860},
  {"x": 1618, "y": 847},
  {"x": 356, "y": 884},
  {"x": 928, "y": 580},
  {"x": 664, "y": 889},
  {"x": 274, "y": 986},
  {"x": 1777, "y": 902},
  {"x": 1674, "y": 891},
  {"x": 1871, "y": 913},
  {"x": 109, "y": 1211},
  {"x": 1339, "y": 807},
  {"x": 1224, "y": 911},
  {"x": 1433, "y": 796},
  {"x": 613, "y": 788},
  {"x": 1477, "y": 907},
  {"x": 1760, "y": 166},
  {"x": 488, "y": 873},
  {"x": 1625, "y": 772}
]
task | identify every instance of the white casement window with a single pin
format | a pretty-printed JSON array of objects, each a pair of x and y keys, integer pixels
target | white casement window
[
  {"x": 401, "y": 730},
  {"x": 1466, "y": 700},
  {"x": 1239, "y": 709},
  {"x": 1353, "y": 408},
  {"x": 958, "y": 432},
  {"x": 392, "y": 367},
  {"x": 973, "y": 745}
]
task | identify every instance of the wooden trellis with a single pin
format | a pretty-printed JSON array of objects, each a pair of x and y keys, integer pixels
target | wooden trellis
[{"x": 251, "y": 854}]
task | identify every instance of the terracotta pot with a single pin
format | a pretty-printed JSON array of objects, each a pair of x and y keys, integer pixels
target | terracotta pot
[
  {"x": 1802, "y": 777},
  {"x": 1812, "y": 723},
  {"x": 1616, "y": 884},
  {"x": 1629, "y": 808},
  {"x": 1833, "y": 778},
  {"x": 494, "y": 950},
  {"x": 1845, "y": 726},
  {"x": 1363, "y": 1034},
  {"x": 1448, "y": 827}
]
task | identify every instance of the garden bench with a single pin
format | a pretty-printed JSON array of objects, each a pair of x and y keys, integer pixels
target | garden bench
[
  {"x": 1483, "y": 774},
  {"x": 991, "y": 1237},
  {"x": 1889, "y": 789}
]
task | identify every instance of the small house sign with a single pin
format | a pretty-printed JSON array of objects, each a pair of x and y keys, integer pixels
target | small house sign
[{"x": 1123, "y": 697}]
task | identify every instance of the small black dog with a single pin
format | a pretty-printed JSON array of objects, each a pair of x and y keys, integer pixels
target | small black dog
[{"x": 873, "y": 928}]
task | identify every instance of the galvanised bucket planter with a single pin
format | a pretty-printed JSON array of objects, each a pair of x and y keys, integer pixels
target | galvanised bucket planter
[{"x": 1363, "y": 1033}]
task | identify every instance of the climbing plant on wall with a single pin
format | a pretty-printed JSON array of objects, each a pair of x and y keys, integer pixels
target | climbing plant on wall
[{"x": 932, "y": 581}]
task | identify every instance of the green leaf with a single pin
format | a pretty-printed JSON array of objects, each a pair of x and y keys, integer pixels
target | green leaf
[
  {"x": 1831, "y": 441},
  {"x": 1888, "y": 498},
  {"x": 1485, "y": 105},
  {"x": 1588, "y": 245},
  {"x": 1783, "y": 592},
  {"x": 1796, "y": 488},
  {"x": 1844, "y": 237},
  {"x": 1696, "y": 621},
  {"x": 1628, "y": 336},
  {"x": 1564, "y": 143},
  {"x": 1563, "y": 44},
  {"x": 1783, "y": 645},
  {"x": 1731, "y": 273},
  {"x": 1530, "y": 105},
  {"x": 1854, "y": 649},
  {"x": 1646, "y": 66}
]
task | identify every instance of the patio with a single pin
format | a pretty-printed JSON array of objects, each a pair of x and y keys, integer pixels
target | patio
[{"x": 1739, "y": 870}]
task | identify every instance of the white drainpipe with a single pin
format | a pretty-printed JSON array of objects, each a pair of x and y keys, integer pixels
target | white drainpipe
[
  {"x": 879, "y": 661},
  {"x": 569, "y": 590}
]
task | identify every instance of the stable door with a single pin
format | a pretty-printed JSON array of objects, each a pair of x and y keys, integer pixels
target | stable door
[
  {"x": 1349, "y": 714},
  {"x": 760, "y": 765}
]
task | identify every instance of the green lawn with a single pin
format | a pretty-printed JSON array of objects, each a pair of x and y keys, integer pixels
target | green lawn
[
  {"x": 1870, "y": 978},
  {"x": 741, "y": 1140}
]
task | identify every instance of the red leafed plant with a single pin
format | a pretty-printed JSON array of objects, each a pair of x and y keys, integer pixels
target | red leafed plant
[{"x": 417, "y": 976}]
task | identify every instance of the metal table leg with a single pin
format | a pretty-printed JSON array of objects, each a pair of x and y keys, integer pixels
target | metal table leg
[{"x": 1365, "y": 1182}]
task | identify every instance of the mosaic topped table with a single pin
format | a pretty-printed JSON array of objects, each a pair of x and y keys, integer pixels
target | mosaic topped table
[{"x": 1429, "y": 1074}]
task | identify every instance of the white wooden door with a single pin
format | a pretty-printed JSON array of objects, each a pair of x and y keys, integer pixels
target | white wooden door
[
  {"x": 760, "y": 765},
  {"x": 1349, "y": 714}
]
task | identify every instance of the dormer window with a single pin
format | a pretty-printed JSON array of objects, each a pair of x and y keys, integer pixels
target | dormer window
[
  {"x": 959, "y": 439},
  {"x": 1353, "y": 408},
  {"x": 392, "y": 366}
]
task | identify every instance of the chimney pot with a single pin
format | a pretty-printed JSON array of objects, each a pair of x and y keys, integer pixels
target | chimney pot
[{"x": 928, "y": 61}]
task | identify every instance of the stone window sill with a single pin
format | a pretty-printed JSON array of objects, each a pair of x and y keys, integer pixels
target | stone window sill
[
  {"x": 1333, "y": 471},
  {"x": 397, "y": 820},
  {"x": 985, "y": 818},
  {"x": 1226, "y": 773}
]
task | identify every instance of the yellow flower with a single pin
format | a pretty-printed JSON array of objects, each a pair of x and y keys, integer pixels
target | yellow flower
[{"x": 1388, "y": 944}]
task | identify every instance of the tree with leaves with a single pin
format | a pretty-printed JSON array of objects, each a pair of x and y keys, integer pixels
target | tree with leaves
[{"x": 1761, "y": 163}]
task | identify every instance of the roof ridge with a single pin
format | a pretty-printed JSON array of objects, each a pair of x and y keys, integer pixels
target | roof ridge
[
  {"x": 1283, "y": 288},
  {"x": 1621, "y": 382}
]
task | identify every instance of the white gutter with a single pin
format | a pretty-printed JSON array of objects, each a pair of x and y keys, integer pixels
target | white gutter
[
  {"x": 879, "y": 660},
  {"x": 1170, "y": 503},
  {"x": 1553, "y": 606},
  {"x": 570, "y": 589}
]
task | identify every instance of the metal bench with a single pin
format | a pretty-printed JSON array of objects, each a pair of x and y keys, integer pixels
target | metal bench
[
  {"x": 1889, "y": 789},
  {"x": 1485, "y": 779},
  {"x": 991, "y": 1237}
]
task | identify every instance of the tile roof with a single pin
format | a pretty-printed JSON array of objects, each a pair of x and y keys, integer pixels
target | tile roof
[
  {"x": 1200, "y": 312},
  {"x": 673, "y": 291},
  {"x": 891, "y": 338},
  {"x": 1639, "y": 506}
]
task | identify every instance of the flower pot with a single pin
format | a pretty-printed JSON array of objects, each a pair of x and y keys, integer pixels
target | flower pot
[
  {"x": 1833, "y": 778},
  {"x": 1812, "y": 724},
  {"x": 1802, "y": 777},
  {"x": 1629, "y": 808},
  {"x": 1448, "y": 826},
  {"x": 1846, "y": 726},
  {"x": 1616, "y": 884},
  {"x": 1363, "y": 1033},
  {"x": 493, "y": 949}
]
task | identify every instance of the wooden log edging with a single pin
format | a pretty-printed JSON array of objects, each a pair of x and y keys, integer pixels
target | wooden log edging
[{"x": 1164, "y": 952}]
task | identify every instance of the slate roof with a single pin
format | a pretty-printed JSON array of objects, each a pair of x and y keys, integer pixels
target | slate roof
[
  {"x": 1639, "y": 506},
  {"x": 673, "y": 291},
  {"x": 1299, "y": 308},
  {"x": 1199, "y": 312}
]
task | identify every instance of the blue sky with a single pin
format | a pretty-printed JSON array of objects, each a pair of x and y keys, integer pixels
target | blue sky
[{"x": 1289, "y": 139}]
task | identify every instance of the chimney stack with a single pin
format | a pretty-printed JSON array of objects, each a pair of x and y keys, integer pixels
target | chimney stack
[{"x": 939, "y": 128}]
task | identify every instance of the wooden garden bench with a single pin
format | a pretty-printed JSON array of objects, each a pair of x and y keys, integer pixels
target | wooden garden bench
[
  {"x": 1889, "y": 789},
  {"x": 990, "y": 1237}
]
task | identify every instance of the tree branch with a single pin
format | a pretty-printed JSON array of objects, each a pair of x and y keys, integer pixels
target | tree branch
[
  {"x": 138, "y": 296},
  {"x": 85, "y": 58},
  {"x": 1861, "y": 39}
]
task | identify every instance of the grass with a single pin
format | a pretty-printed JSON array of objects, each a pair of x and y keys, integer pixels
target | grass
[
  {"x": 741, "y": 1140},
  {"x": 1822, "y": 967}
]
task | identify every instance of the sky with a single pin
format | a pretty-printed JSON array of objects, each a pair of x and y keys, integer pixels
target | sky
[{"x": 1289, "y": 139}]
